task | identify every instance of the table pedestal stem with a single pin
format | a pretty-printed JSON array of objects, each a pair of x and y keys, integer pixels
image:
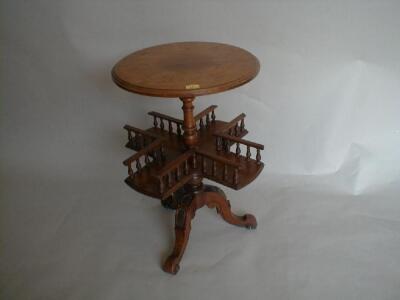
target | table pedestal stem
[
  {"x": 191, "y": 139},
  {"x": 189, "y": 123}
]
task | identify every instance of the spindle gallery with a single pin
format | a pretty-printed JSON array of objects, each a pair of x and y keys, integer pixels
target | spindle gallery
[{"x": 173, "y": 156}]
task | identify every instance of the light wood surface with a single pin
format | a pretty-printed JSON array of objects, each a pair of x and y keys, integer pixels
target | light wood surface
[{"x": 185, "y": 69}]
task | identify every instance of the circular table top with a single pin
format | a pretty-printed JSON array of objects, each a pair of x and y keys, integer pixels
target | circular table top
[{"x": 185, "y": 69}]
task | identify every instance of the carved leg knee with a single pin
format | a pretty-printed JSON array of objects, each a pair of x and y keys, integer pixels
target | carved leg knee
[{"x": 218, "y": 200}]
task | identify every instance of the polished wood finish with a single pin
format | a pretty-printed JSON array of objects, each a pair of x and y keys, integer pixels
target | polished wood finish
[
  {"x": 189, "y": 123},
  {"x": 212, "y": 197},
  {"x": 185, "y": 69},
  {"x": 217, "y": 163},
  {"x": 173, "y": 156}
]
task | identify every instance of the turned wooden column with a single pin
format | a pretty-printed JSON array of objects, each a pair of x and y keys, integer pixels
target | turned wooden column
[
  {"x": 189, "y": 123},
  {"x": 190, "y": 139}
]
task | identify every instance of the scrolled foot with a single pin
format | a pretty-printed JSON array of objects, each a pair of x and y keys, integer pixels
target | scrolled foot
[
  {"x": 250, "y": 221},
  {"x": 183, "y": 217},
  {"x": 171, "y": 265}
]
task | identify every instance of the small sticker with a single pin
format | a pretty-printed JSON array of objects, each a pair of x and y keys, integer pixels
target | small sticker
[{"x": 192, "y": 86}]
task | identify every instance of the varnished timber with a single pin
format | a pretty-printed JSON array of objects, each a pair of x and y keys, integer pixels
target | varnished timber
[
  {"x": 213, "y": 197},
  {"x": 185, "y": 69},
  {"x": 175, "y": 155},
  {"x": 189, "y": 124},
  {"x": 175, "y": 152}
]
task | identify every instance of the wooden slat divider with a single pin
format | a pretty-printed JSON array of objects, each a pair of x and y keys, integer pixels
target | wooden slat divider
[
  {"x": 141, "y": 131},
  {"x": 220, "y": 159},
  {"x": 165, "y": 117},
  {"x": 205, "y": 112},
  {"x": 177, "y": 186},
  {"x": 173, "y": 164},
  {"x": 239, "y": 140},
  {"x": 232, "y": 123},
  {"x": 142, "y": 152}
]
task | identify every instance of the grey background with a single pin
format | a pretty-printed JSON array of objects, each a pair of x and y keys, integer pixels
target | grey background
[{"x": 325, "y": 104}]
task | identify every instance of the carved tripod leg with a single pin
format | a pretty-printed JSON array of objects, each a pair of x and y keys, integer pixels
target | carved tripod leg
[
  {"x": 183, "y": 218},
  {"x": 215, "y": 197}
]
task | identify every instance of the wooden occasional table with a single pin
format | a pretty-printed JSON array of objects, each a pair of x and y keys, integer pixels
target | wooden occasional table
[{"x": 175, "y": 155}]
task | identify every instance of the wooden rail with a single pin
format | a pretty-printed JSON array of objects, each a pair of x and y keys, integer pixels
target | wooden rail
[
  {"x": 165, "y": 117},
  {"x": 155, "y": 151},
  {"x": 220, "y": 159},
  {"x": 158, "y": 122},
  {"x": 138, "y": 138},
  {"x": 205, "y": 112},
  {"x": 140, "y": 131},
  {"x": 171, "y": 165},
  {"x": 226, "y": 163},
  {"x": 170, "y": 176},
  {"x": 239, "y": 140},
  {"x": 236, "y": 126},
  {"x": 224, "y": 142},
  {"x": 184, "y": 180},
  {"x": 209, "y": 115}
]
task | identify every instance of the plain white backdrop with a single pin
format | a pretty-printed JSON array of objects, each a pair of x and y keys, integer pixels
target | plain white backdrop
[{"x": 326, "y": 105}]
